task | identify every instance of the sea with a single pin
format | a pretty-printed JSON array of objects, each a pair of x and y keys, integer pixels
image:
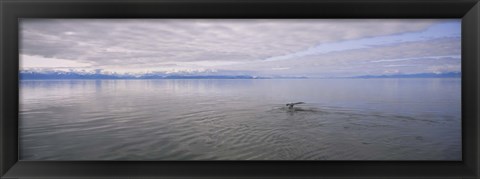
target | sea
[{"x": 241, "y": 119}]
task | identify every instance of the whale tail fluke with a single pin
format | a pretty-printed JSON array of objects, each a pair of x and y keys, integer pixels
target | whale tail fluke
[{"x": 290, "y": 105}]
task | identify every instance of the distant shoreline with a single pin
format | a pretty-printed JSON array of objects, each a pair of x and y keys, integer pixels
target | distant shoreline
[{"x": 96, "y": 76}]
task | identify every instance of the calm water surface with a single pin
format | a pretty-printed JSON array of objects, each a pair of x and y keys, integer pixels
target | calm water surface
[{"x": 343, "y": 119}]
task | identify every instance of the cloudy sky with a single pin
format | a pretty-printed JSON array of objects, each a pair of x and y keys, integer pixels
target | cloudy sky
[{"x": 261, "y": 47}]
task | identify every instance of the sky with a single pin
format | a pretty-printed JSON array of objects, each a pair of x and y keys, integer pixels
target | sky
[{"x": 257, "y": 47}]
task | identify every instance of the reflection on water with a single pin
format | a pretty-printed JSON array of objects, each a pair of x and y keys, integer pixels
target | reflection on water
[{"x": 342, "y": 119}]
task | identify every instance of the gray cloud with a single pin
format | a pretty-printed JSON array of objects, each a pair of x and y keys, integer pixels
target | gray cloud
[
  {"x": 419, "y": 57},
  {"x": 195, "y": 43}
]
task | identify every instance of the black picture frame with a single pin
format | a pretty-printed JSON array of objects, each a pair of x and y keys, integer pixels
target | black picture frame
[{"x": 12, "y": 10}]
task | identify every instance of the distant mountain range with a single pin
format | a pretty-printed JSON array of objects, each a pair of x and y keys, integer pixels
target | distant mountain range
[
  {"x": 32, "y": 75},
  {"x": 45, "y": 75},
  {"x": 418, "y": 75}
]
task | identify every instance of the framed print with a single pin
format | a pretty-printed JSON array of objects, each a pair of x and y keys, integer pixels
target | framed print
[{"x": 239, "y": 89}]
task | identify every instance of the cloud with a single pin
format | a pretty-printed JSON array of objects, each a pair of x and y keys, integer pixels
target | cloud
[
  {"x": 139, "y": 45},
  {"x": 29, "y": 61},
  {"x": 418, "y": 56}
]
